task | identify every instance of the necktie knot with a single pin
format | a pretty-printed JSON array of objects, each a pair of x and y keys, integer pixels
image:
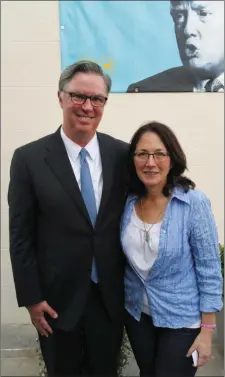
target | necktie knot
[
  {"x": 213, "y": 85},
  {"x": 83, "y": 153}
]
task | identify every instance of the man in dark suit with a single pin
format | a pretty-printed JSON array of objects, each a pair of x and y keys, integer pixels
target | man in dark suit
[
  {"x": 66, "y": 196},
  {"x": 199, "y": 29}
]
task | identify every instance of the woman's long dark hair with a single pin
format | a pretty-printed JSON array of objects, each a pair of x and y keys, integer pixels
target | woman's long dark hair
[{"x": 177, "y": 156}]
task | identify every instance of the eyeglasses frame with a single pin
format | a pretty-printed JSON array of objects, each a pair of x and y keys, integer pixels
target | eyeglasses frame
[{"x": 86, "y": 97}]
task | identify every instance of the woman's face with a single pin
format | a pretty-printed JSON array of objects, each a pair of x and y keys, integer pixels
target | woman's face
[{"x": 152, "y": 170}]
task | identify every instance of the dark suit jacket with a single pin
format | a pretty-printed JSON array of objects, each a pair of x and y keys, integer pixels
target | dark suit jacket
[
  {"x": 177, "y": 79},
  {"x": 52, "y": 241}
]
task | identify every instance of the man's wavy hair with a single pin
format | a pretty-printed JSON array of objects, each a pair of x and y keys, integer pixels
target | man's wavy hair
[{"x": 178, "y": 161}]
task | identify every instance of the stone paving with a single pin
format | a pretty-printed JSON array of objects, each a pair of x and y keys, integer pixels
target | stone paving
[{"x": 19, "y": 356}]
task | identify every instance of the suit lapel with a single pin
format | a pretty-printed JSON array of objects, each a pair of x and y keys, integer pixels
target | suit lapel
[
  {"x": 108, "y": 166},
  {"x": 59, "y": 163}
]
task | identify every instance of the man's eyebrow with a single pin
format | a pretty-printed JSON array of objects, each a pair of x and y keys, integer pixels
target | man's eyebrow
[
  {"x": 82, "y": 94},
  {"x": 99, "y": 95},
  {"x": 177, "y": 8},
  {"x": 200, "y": 6},
  {"x": 194, "y": 5}
]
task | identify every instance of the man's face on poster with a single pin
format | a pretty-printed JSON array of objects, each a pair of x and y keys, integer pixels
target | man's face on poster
[{"x": 199, "y": 28}]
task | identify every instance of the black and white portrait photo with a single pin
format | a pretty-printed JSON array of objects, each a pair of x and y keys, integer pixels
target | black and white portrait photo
[{"x": 199, "y": 32}]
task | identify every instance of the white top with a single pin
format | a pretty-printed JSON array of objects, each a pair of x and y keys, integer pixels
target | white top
[
  {"x": 142, "y": 254},
  {"x": 93, "y": 159}
]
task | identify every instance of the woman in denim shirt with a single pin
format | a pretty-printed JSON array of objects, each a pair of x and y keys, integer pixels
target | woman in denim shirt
[{"x": 173, "y": 280}]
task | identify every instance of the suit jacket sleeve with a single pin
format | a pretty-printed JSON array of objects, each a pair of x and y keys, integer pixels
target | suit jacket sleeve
[{"x": 22, "y": 211}]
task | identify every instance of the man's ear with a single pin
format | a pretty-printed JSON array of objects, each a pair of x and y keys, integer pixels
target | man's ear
[{"x": 60, "y": 99}]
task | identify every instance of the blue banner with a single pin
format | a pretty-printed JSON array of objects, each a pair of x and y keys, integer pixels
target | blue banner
[
  {"x": 139, "y": 43},
  {"x": 131, "y": 40}
]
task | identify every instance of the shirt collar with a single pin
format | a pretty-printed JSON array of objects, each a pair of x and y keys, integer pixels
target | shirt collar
[
  {"x": 74, "y": 149},
  {"x": 178, "y": 193},
  {"x": 92, "y": 147}
]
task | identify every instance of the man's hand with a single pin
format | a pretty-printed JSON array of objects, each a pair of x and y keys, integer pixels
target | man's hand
[{"x": 37, "y": 317}]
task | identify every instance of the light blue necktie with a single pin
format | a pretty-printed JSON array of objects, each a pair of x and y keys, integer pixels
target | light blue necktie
[{"x": 87, "y": 192}]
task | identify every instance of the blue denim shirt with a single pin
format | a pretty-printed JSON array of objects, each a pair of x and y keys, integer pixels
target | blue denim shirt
[{"x": 186, "y": 277}]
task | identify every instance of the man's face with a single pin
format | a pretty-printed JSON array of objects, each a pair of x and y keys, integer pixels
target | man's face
[
  {"x": 82, "y": 118},
  {"x": 199, "y": 28}
]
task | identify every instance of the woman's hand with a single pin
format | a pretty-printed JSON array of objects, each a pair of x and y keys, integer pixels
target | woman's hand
[{"x": 203, "y": 345}]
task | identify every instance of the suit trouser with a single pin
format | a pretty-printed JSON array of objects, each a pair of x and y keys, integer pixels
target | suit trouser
[
  {"x": 94, "y": 344},
  {"x": 160, "y": 352}
]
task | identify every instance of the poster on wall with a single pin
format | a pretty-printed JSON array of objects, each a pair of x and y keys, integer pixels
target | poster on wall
[{"x": 147, "y": 46}]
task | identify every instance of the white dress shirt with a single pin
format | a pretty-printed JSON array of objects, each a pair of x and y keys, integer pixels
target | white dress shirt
[{"x": 93, "y": 159}]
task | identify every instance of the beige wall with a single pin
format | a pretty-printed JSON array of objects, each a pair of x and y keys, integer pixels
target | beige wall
[{"x": 30, "y": 72}]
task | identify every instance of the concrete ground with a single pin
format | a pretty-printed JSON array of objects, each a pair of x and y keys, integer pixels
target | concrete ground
[
  {"x": 19, "y": 356},
  {"x": 20, "y": 366},
  {"x": 18, "y": 351}
]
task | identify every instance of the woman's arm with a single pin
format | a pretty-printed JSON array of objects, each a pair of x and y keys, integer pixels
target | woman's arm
[
  {"x": 205, "y": 248},
  {"x": 208, "y": 321}
]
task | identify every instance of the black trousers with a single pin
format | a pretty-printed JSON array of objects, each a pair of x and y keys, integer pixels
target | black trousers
[
  {"x": 160, "y": 352},
  {"x": 91, "y": 349}
]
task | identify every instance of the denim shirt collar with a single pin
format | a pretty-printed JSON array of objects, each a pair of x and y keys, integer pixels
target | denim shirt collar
[{"x": 176, "y": 193}]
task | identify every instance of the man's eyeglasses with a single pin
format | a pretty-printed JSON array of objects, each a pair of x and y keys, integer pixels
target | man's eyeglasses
[
  {"x": 159, "y": 156},
  {"x": 80, "y": 99}
]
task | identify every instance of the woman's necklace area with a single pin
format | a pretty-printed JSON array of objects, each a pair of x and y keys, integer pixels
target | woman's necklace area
[{"x": 147, "y": 234}]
